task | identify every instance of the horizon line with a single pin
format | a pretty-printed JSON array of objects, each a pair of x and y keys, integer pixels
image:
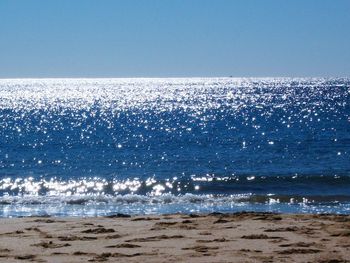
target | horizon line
[{"x": 183, "y": 77}]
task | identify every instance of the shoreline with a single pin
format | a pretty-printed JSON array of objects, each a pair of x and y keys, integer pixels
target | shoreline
[{"x": 215, "y": 237}]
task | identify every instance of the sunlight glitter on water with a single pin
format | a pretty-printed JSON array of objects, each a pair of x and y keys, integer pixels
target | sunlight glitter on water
[{"x": 173, "y": 137}]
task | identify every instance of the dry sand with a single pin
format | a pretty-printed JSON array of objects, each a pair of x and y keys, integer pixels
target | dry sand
[{"x": 240, "y": 237}]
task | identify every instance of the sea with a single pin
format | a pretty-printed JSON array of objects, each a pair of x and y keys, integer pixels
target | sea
[{"x": 96, "y": 147}]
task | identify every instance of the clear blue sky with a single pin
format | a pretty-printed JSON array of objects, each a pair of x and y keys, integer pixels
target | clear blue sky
[{"x": 160, "y": 38}]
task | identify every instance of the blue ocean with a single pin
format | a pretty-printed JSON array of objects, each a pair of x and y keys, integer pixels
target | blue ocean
[{"x": 94, "y": 147}]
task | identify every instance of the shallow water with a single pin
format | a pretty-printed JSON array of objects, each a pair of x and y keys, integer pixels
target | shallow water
[{"x": 97, "y": 146}]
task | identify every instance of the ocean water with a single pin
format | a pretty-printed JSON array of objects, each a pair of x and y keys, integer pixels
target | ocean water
[{"x": 87, "y": 147}]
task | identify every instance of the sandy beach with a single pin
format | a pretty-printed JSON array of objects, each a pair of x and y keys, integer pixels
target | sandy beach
[{"x": 239, "y": 237}]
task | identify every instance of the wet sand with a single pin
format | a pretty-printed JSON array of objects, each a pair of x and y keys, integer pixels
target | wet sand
[{"x": 239, "y": 237}]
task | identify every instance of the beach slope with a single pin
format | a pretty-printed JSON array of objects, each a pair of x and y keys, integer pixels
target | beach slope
[{"x": 239, "y": 237}]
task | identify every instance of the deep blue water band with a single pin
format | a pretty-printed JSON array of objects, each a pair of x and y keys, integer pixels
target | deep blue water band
[{"x": 285, "y": 140}]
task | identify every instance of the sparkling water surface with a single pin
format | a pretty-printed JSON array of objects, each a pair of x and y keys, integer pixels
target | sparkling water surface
[{"x": 72, "y": 147}]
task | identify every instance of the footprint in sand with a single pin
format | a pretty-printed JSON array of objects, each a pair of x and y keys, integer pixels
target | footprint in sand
[
  {"x": 48, "y": 221},
  {"x": 283, "y": 229},
  {"x": 145, "y": 219},
  {"x": 298, "y": 244},
  {"x": 99, "y": 230},
  {"x": 154, "y": 238},
  {"x": 200, "y": 248},
  {"x": 113, "y": 236},
  {"x": 106, "y": 256},
  {"x": 213, "y": 240},
  {"x": 74, "y": 238},
  {"x": 25, "y": 257},
  {"x": 298, "y": 251},
  {"x": 123, "y": 245},
  {"x": 221, "y": 221},
  {"x": 261, "y": 236},
  {"x": 50, "y": 245}
]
